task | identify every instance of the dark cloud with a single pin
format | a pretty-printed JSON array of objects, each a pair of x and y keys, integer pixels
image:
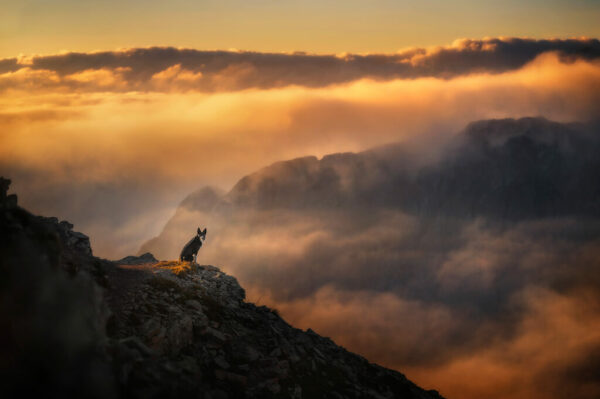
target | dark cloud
[
  {"x": 9, "y": 65},
  {"x": 150, "y": 68}
]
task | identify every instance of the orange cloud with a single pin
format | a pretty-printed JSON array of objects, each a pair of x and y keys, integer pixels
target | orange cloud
[
  {"x": 158, "y": 135},
  {"x": 209, "y": 71},
  {"x": 174, "y": 78},
  {"x": 552, "y": 338},
  {"x": 100, "y": 78}
]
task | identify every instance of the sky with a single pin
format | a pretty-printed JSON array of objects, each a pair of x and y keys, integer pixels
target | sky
[
  {"x": 112, "y": 112},
  {"x": 316, "y": 26}
]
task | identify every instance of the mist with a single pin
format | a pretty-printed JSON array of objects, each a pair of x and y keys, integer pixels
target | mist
[{"x": 117, "y": 163}]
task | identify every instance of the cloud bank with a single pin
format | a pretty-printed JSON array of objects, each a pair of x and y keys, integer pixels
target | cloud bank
[{"x": 182, "y": 70}]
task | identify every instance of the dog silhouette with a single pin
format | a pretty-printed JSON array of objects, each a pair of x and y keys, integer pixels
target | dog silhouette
[{"x": 189, "y": 253}]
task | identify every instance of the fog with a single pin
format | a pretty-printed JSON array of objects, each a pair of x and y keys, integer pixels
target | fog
[{"x": 117, "y": 164}]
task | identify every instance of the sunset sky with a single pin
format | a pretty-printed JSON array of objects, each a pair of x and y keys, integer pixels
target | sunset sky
[
  {"x": 113, "y": 140},
  {"x": 323, "y": 26},
  {"x": 112, "y": 112}
]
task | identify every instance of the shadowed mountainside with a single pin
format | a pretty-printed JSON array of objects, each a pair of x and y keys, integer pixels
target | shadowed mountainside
[
  {"x": 76, "y": 325},
  {"x": 508, "y": 169}
]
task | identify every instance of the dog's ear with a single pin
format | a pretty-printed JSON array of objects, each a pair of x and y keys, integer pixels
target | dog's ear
[
  {"x": 204, "y": 231},
  {"x": 199, "y": 231}
]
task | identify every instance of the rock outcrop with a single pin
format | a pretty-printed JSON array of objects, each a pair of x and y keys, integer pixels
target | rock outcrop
[
  {"x": 185, "y": 330},
  {"x": 53, "y": 311},
  {"x": 137, "y": 260},
  {"x": 75, "y": 325}
]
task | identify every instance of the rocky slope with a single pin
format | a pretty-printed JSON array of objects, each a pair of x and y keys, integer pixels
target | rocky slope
[{"x": 72, "y": 325}]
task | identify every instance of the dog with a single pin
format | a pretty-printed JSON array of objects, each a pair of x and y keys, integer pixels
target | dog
[{"x": 189, "y": 253}]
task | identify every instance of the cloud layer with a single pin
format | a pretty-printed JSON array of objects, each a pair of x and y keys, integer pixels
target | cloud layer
[
  {"x": 182, "y": 70},
  {"x": 78, "y": 154}
]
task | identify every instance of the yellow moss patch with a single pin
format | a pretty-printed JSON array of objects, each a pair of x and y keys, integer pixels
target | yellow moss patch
[{"x": 176, "y": 267}]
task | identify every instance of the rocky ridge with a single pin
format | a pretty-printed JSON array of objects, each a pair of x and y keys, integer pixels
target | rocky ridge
[
  {"x": 72, "y": 324},
  {"x": 186, "y": 329}
]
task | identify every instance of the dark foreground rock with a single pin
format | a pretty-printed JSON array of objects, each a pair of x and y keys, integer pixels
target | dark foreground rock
[
  {"x": 137, "y": 260},
  {"x": 75, "y": 325}
]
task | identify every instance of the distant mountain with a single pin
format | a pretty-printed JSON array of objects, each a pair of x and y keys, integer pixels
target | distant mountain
[
  {"x": 515, "y": 169},
  {"x": 501, "y": 169},
  {"x": 507, "y": 168}
]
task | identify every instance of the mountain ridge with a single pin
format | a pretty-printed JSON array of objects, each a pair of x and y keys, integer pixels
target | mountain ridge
[{"x": 504, "y": 169}]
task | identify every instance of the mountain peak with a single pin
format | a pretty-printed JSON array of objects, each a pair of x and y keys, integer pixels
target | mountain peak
[
  {"x": 204, "y": 198},
  {"x": 496, "y": 132}
]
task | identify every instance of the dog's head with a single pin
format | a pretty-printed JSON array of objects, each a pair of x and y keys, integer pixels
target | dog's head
[{"x": 202, "y": 234}]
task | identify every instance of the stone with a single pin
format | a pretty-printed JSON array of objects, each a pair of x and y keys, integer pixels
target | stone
[
  {"x": 194, "y": 304},
  {"x": 214, "y": 333},
  {"x": 273, "y": 386},
  {"x": 151, "y": 328},
  {"x": 136, "y": 343},
  {"x": 221, "y": 362},
  {"x": 275, "y": 352},
  {"x": 137, "y": 260},
  {"x": 252, "y": 354}
]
